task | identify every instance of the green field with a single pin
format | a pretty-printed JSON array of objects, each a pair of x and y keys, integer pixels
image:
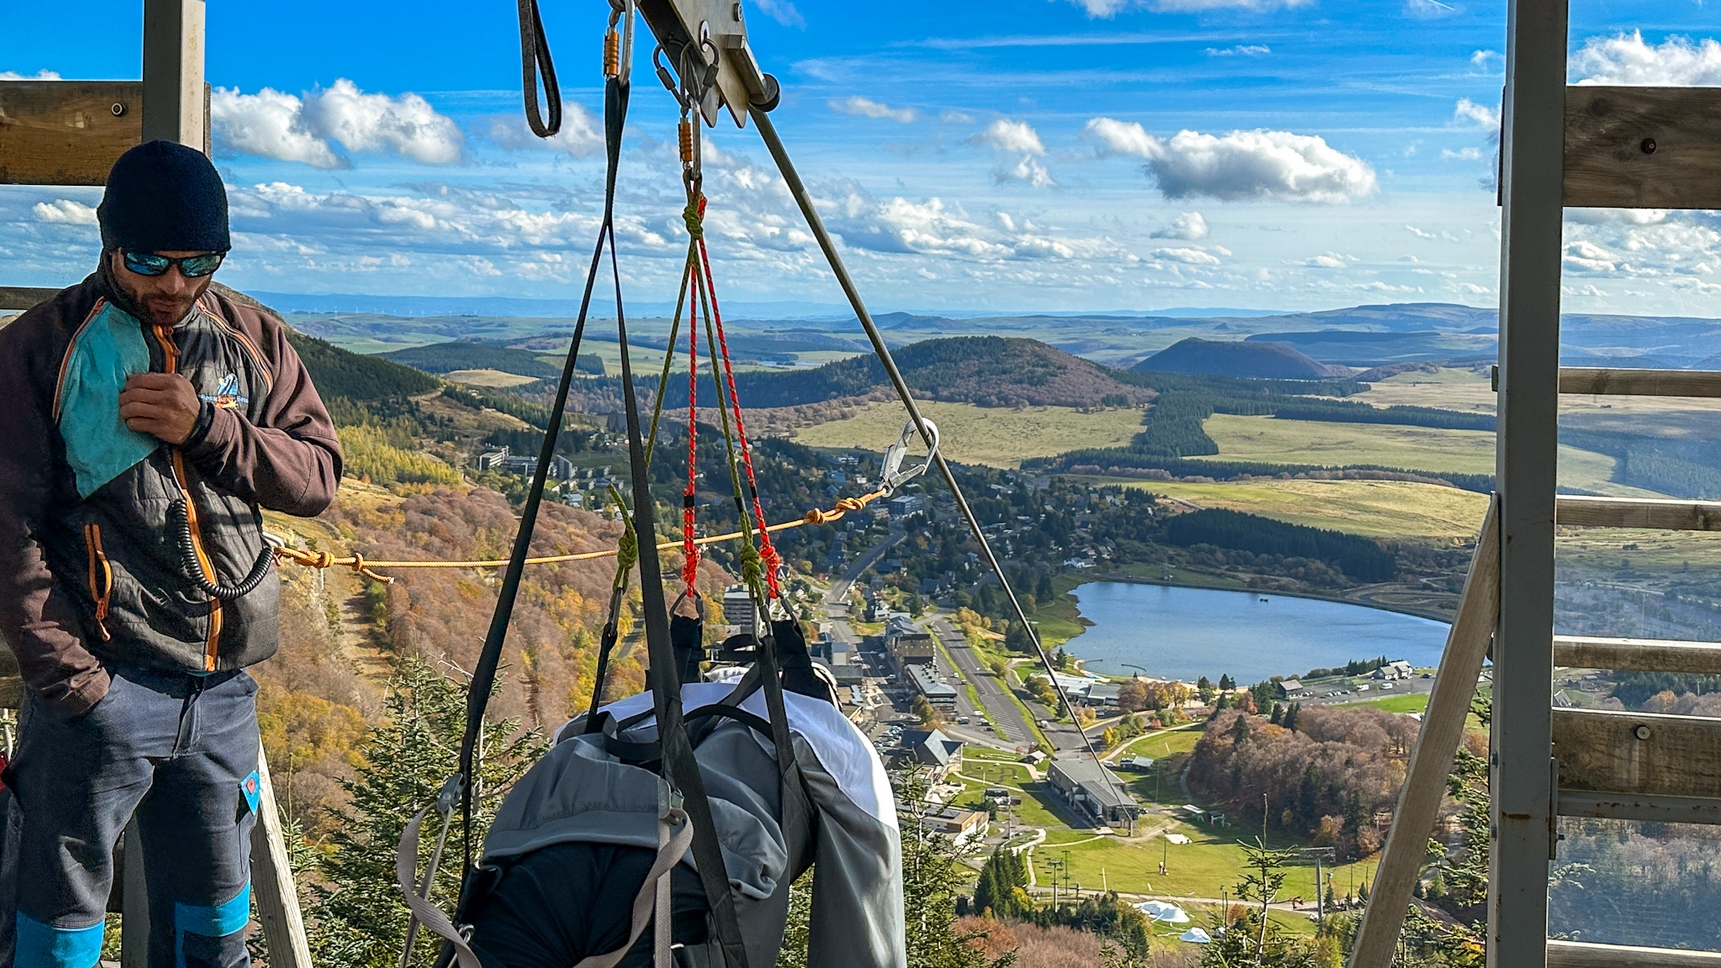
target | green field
[
  {"x": 1409, "y": 703},
  {"x": 994, "y": 436},
  {"x": 1270, "y": 440},
  {"x": 1385, "y": 509}
]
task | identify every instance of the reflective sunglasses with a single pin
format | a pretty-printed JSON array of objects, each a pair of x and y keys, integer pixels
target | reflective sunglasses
[{"x": 191, "y": 267}]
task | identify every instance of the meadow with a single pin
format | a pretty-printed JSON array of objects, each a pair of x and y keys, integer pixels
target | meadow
[
  {"x": 1380, "y": 509},
  {"x": 994, "y": 436}
]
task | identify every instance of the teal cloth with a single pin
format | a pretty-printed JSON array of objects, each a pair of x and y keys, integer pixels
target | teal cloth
[{"x": 99, "y": 446}]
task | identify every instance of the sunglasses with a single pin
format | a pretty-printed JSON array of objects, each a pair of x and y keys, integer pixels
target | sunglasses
[{"x": 191, "y": 267}]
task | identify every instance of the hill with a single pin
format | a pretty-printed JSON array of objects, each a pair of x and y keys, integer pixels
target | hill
[
  {"x": 463, "y": 355},
  {"x": 1270, "y": 361},
  {"x": 340, "y": 375}
]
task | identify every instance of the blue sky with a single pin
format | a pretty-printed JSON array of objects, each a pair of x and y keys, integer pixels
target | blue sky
[{"x": 1014, "y": 155}]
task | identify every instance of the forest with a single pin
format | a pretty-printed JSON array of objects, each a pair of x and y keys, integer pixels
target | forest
[
  {"x": 1361, "y": 558},
  {"x": 1325, "y": 777}
]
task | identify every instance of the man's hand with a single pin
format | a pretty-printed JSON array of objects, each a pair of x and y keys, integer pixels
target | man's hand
[{"x": 163, "y": 405}]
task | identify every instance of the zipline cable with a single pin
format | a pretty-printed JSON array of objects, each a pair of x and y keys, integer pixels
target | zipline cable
[{"x": 804, "y": 200}]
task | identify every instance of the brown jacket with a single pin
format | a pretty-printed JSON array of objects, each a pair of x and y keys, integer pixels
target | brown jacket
[{"x": 106, "y": 533}]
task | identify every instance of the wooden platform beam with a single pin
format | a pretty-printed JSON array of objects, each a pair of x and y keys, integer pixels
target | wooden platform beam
[
  {"x": 1580, "y": 954},
  {"x": 1653, "y": 809},
  {"x": 66, "y": 132},
  {"x": 1595, "y": 380},
  {"x": 1643, "y": 147},
  {"x": 1650, "y": 754},
  {"x": 1655, "y": 514},
  {"x": 1431, "y": 761},
  {"x": 1646, "y": 655}
]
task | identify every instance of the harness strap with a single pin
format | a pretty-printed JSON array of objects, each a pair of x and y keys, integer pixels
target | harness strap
[{"x": 674, "y": 833}]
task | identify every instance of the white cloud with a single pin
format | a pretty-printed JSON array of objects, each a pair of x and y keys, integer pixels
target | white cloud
[
  {"x": 1483, "y": 60},
  {"x": 1328, "y": 260},
  {"x": 1189, "y": 226},
  {"x": 868, "y": 108},
  {"x": 1111, "y": 8},
  {"x": 1241, "y": 50},
  {"x": 268, "y": 124},
  {"x": 1462, "y": 154},
  {"x": 939, "y": 228},
  {"x": 64, "y": 211},
  {"x": 1428, "y": 9},
  {"x": 273, "y": 124},
  {"x": 579, "y": 136},
  {"x": 1259, "y": 164},
  {"x": 38, "y": 76},
  {"x": 1479, "y": 115},
  {"x": 1587, "y": 256},
  {"x": 1011, "y": 136},
  {"x": 782, "y": 11},
  {"x": 1027, "y": 170},
  {"x": 1626, "y": 59},
  {"x": 955, "y": 117},
  {"x": 1193, "y": 255}
]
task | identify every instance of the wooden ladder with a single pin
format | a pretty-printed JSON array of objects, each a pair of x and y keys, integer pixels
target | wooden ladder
[
  {"x": 1609, "y": 764},
  {"x": 272, "y": 887}
]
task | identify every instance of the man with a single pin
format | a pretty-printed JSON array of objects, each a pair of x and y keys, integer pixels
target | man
[{"x": 148, "y": 420}]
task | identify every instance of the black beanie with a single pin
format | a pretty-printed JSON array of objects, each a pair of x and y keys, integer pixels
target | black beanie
[{"x": 164, "y": 197}]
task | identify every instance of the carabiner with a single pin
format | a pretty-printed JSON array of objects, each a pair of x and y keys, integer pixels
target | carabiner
[{"x": 893, "y": 477}]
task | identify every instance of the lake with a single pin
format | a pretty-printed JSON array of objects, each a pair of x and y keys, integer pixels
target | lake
[{"x": 1186, "y": 633}]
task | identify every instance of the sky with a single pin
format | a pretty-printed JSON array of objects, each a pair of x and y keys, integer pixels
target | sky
[{"x": 1013, "y": 155}]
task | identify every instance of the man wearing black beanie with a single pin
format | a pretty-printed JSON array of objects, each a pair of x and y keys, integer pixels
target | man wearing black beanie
[{"x": 150, "y": 420}]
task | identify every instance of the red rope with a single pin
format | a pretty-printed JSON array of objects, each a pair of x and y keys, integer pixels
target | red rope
[
  {"x": 767, "y": 552},
  {"x": 689, "y": 550}
]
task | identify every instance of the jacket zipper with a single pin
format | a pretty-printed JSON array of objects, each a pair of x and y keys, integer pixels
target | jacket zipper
[
  {"x": 170, "y": 354},
  {"x": 101, "y": 576}
]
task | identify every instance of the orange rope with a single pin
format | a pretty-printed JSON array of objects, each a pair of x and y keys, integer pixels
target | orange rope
[{"x": 364, "y": 566}]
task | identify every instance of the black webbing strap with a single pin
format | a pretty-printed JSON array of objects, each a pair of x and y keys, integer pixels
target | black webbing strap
[
  {"x": 535, "y": 58},
  {"x": 679, "y": 766},
  {"x": 484, "y": 673}
]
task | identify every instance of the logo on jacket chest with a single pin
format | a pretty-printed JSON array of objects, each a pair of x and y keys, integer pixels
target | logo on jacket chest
[{"x": 228, "y": 394}]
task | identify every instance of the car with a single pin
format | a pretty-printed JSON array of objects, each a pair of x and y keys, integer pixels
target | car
[
  {"x": 1044, "y": 724},
  {"x": 962, "y": 720}
]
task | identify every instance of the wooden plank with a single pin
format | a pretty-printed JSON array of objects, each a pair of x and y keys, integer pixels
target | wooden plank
[
  {"x": 23, "y": 297},
  {"x": 1622, "y": 752},
  {"x": 1431, "y": 762},
  {"x": 1582, "y": 954},
  {"x": 1643, "y": 147},
  {"x": 1657, "y": 514},
  {"x": 1616, "y": 806},
  {"x": 175, "y": 98},
  {"x": 1643, "y": 383},
  {"x": 1648, "y": 655},
  {"x": 66, "y": 132},
  {"x": 272, "y": 886}
]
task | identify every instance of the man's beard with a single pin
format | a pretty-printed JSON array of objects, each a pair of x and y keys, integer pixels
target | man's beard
[{"x": 141, "y": 310}]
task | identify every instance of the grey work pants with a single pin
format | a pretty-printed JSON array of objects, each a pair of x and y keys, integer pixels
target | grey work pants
[{"x": 180, "y": 752}]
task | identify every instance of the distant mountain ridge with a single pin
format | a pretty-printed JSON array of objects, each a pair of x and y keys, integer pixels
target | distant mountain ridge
[{"x": 1238, "y": 358}]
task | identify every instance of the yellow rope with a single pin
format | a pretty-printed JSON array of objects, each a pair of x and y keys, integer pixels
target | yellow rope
[{"x": 365, "y": 567}]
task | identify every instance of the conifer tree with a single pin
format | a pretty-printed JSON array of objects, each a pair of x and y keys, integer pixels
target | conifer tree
[{"x": 357, "y": 917}]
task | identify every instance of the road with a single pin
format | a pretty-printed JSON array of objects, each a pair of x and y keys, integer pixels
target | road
[{"x": 1005, "y": 713}]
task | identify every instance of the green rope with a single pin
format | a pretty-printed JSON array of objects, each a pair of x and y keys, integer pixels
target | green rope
[
  {"x": 669, "y": 354},
  {"x": 691, "y": 218},
  {"x": 627, "y": 546}
]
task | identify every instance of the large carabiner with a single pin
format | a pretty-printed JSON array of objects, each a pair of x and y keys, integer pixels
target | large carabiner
[{"x": 893, "y": 477}]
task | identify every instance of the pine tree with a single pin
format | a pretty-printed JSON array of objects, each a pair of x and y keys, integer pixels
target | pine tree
[{"x": 357, "y": 917}]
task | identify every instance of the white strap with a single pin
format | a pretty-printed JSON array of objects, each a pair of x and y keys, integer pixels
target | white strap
[
  {"x": 656, "y": 882},
  {"x": 664, "y": 916},
  {"x": 428, "y": 914}
]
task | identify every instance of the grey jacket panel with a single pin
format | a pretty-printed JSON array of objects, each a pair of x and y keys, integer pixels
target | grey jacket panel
[{"x": 579, "y": 792}]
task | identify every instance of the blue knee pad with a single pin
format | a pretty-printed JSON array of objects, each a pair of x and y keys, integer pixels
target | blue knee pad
[
  {"x": 211, "y": 936},
  {"x": 45, "y": 946}
]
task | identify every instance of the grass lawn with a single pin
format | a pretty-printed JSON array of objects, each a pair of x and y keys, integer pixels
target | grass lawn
[
  {"x": 1383, "y": 509},
  {"x": 1210, "y": 863},
  {"x": 1398, "y": 704},
  {"x": 995, "y": 436}
]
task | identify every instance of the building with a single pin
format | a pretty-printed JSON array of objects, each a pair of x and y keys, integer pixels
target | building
[
  {"x": 1396, "y": 669},
  {"x": 959, "y": 825},
  {"x": 907, "y": 643},
  {"x": 490, "y": 460},
  {"x": 1094, "y": 791},
  {"x": 905, "y": 505},
  {"x": 1288, "y": 689},
  {"x": 941, "y": 694},
  {"x": 561, "y": 469},
  {"x": 1103, "y": 693},
  {"x": 738, "y": 607},
  {"x": 930, "y": 747}
]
